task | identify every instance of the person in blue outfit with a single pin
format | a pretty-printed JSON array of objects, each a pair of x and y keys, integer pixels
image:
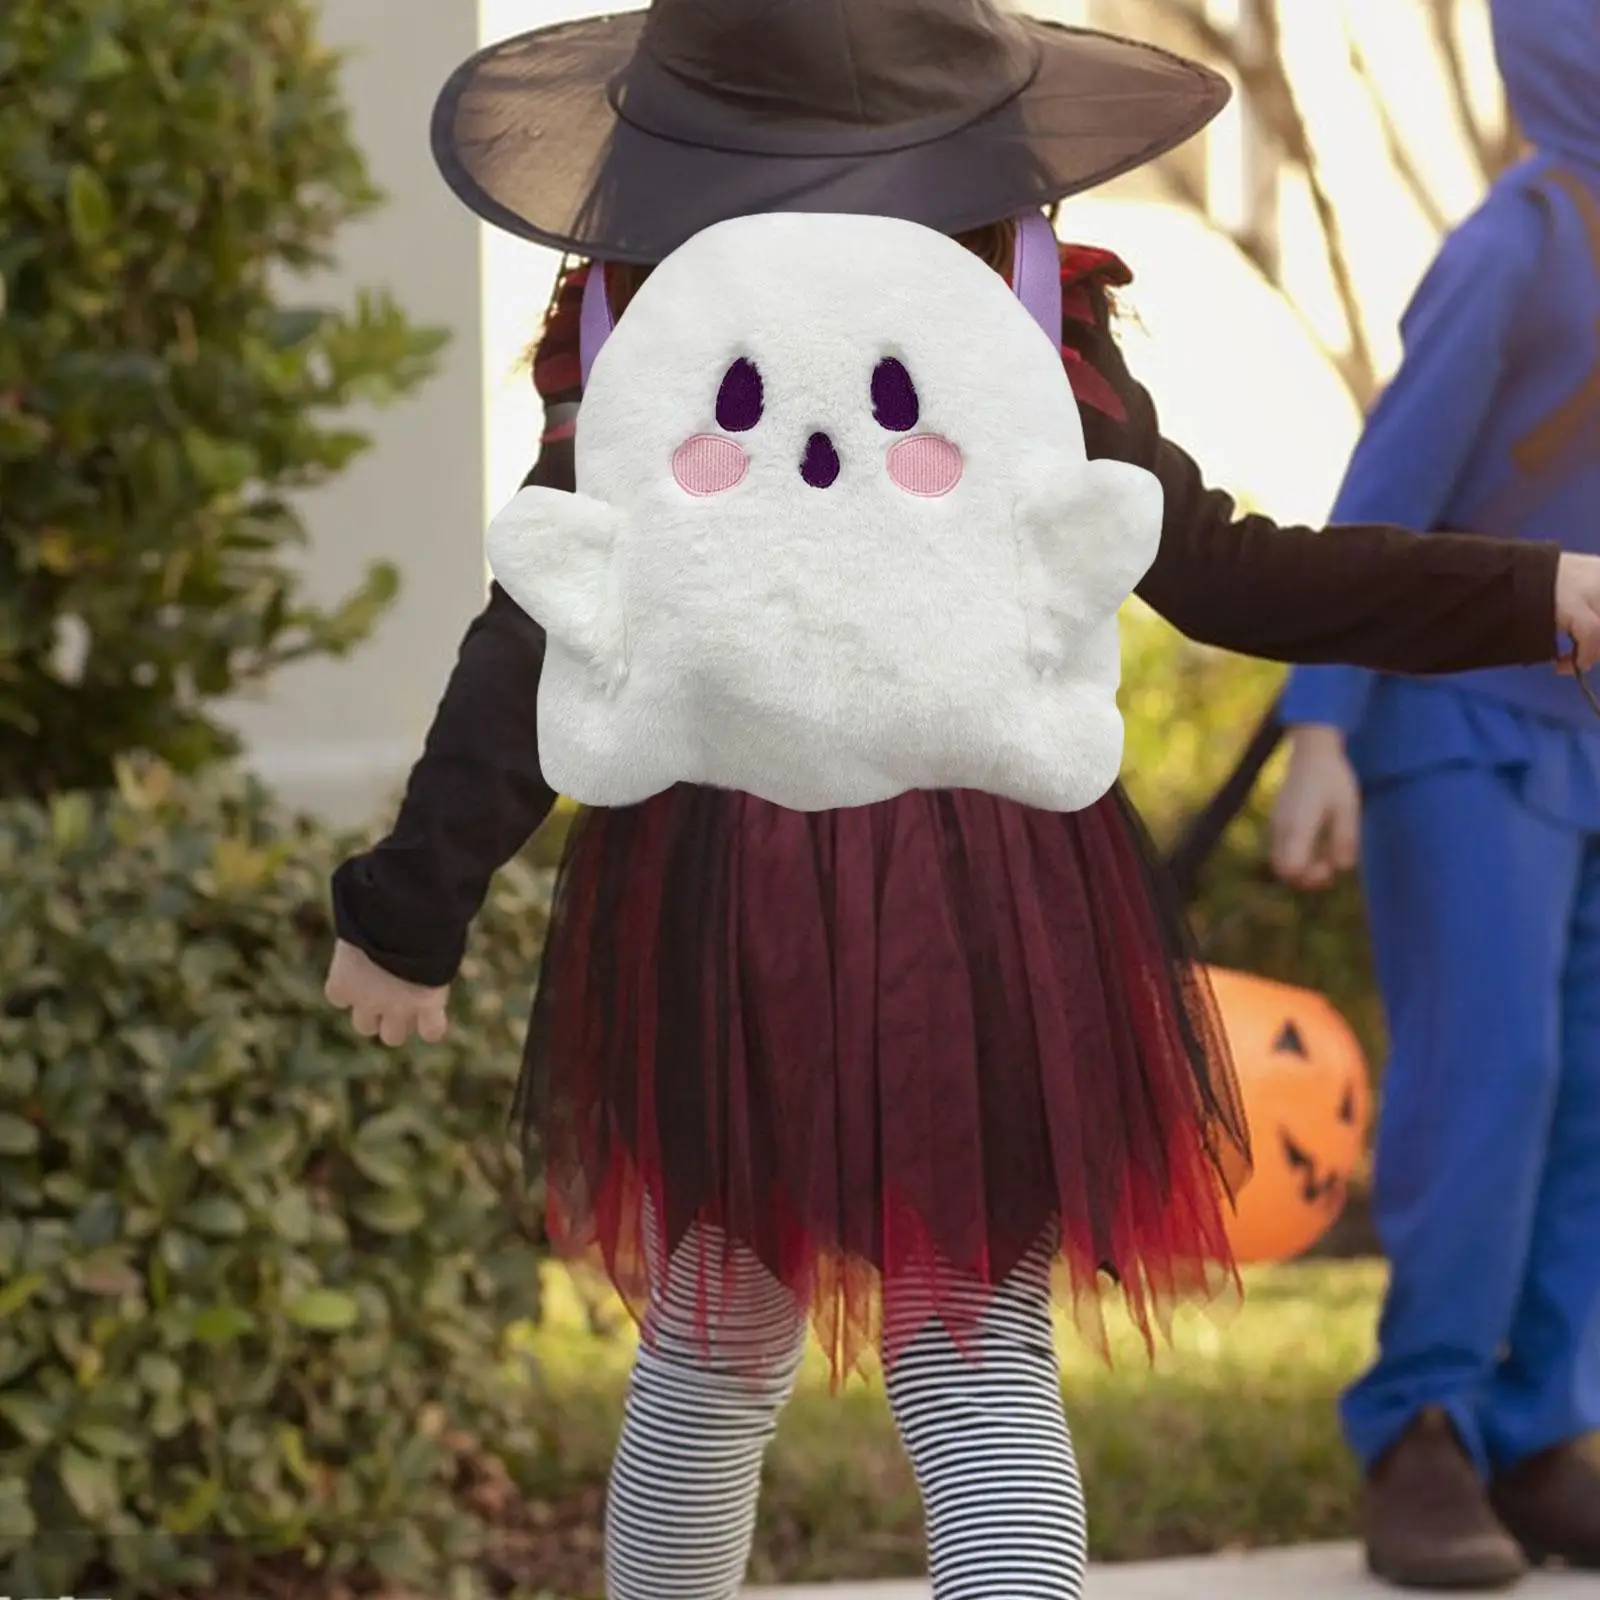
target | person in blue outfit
[{"x": 1480, "y": 845}]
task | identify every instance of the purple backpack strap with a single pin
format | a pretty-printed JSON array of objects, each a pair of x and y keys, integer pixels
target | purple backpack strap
[
  {"x": 594, "y": 319},
  {"x": 1035, "y": 279},
  {"x": 1036, "y": 272}
]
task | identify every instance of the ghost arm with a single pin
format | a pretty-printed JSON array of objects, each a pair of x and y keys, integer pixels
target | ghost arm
[
  {"x": 1372, "y": 595},
  {"x": 1088, "y": 532},
  {"x": 555, "y": 554}
]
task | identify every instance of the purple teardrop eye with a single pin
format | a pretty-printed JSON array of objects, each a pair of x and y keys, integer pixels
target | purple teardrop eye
[
  {"x": 894, "y": 397},
  {"x": 740, "y": 398}
]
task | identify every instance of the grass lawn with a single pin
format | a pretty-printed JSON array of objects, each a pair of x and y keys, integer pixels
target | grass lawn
[{"x": 1231, "y": 1440}]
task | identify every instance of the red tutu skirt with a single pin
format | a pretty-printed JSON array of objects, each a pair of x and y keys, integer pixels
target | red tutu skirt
[{"x": 889, "y": 1050}]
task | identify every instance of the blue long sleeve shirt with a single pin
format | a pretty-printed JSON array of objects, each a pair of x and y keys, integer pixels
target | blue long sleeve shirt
[{"x": 1459, "y": 337}]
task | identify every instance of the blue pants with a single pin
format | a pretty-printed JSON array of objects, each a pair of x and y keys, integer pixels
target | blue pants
[{"x": 1486, "y": 933}]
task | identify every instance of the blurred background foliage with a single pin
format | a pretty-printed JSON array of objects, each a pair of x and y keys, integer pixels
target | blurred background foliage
[{"x": 167, "y": 387}]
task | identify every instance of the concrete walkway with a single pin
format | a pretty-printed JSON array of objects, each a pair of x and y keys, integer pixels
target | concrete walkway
[{"x": 1318, "y": 1572}]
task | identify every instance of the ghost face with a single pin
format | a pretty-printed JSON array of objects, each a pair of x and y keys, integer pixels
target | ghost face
[
  {"x": 926, "y": 464},
  {"x": 835, "y": 538},
  {"x": 806, "y": 517}
]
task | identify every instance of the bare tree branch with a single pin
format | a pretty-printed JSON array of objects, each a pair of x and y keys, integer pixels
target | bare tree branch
[
  {"x": 1285, "y": 117},
  {"x": 1264, "y": 78},
  {"x": 1394, "y": 144},
  {"x": 1183, "y": 192},
  {"x": 1206, "y": 36},
  {"x": 1490, "y": 154}
]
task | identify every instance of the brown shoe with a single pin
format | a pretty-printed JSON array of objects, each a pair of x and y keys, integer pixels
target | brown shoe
[
  {"x": 1551, "y": 1503},
  {"x": 1427, "y": 1519}
]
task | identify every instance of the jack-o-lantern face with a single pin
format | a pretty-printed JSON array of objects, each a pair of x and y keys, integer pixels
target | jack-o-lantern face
[{"x": 1303, "y": 1079}]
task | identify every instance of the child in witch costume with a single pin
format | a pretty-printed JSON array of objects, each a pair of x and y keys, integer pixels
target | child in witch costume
[{"x": 997, "y": 1003}]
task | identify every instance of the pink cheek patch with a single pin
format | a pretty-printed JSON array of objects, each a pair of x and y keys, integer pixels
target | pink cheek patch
[
  {"x": 926, "y": 465},
  {"x": 709, "y": 464}
]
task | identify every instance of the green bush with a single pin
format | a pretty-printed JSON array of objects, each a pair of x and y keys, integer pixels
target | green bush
[
  {"x": 255, "y": 1273},
  {"x": 163, "y": 168}
]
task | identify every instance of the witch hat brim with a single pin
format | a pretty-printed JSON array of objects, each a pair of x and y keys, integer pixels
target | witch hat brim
[{"x": 538, "y": 135}]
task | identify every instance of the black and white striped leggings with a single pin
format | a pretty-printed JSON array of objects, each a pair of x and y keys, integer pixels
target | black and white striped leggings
[{"x": 987, "y": 1439}]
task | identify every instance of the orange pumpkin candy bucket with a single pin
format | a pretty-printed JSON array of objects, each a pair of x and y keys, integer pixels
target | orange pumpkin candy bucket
[{"x": 1303, "y": 1079}]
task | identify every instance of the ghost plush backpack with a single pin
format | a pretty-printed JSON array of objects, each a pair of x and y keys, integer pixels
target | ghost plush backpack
[{"x": 835, "y": 535}]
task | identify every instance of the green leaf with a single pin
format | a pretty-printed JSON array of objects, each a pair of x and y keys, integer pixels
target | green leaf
[
  {"x": 266, "y": 1146},
  {"x": 155, "y": 1169},
  {"x": 91, "y": 1485},
  {"x": 167, "y": 1416},
  {"x": 391, "y": 1212},
  {"x": 292, "y": 1443},
  {"x": 35, "y": 1419},
  {"x": 71, "y": 818},
  {"x": 107, "y": 1272},
  {"x": 17, "y": 1521},
  {"x": 291, "y": 1216},
  {"x": 105, "y": 59},
  {"x": 22, "y": 436},
  {"x": 326, "y": 1310},
  {"x": 391, "y": 1165},
  {"x": 292, "y": 327},
  {"x": 87, "y": 54},
  {"x": 217, "y": 1218},
  {"x": 159, "y": 1374},
  {"x": 111, "y": 1444},
  {"x": 17, "y": 1138},
  {"x": 221, "y": 1324},
  {"x": 355, "y": 617},
  {"x": 217, "y": 463},
  {"x": 16, "y": 1294},
  {"x": 89, "y": 210},
  {"x": 193, "y": 1513},
  {"x": 65, "y": 1189}
]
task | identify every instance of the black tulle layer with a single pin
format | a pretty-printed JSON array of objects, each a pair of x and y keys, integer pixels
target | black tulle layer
[{"x": 887, "y": 1049}]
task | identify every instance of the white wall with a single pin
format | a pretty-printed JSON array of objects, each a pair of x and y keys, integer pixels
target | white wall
[{"x": 338, "y": 736}]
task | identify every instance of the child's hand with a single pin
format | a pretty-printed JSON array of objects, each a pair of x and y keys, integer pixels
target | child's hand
[
  {"x": 1316, "y": 823},
  {"x": 381, "y": 1005},
  {"x": 1578, "y": 607}
]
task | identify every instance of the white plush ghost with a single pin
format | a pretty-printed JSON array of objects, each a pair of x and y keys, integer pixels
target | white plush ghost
[{"x": 836, "y": 537}]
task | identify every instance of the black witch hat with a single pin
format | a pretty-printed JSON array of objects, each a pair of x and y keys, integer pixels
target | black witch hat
[{"x": 620, "y": 137}]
